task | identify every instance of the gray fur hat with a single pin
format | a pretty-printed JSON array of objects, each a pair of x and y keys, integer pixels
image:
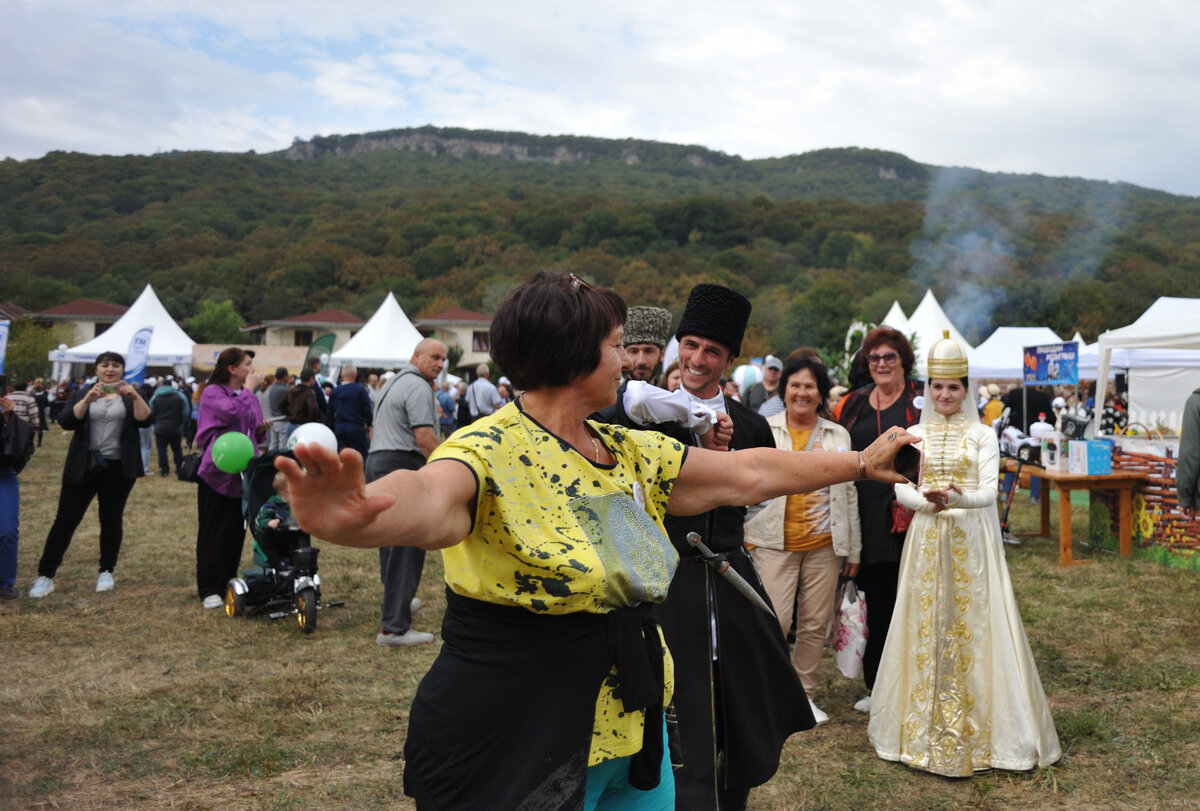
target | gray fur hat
[
  {"x": 716, "y": 313},
  {"x": 647, "y": 325}
]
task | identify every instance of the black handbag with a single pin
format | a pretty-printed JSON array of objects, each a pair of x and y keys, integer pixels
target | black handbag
[
  {"x": 189, "y": 467},
  {"x": 16, "y": 443}
]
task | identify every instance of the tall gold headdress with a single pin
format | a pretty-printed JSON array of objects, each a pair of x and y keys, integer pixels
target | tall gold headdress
[{"x": 947, "y": 359}]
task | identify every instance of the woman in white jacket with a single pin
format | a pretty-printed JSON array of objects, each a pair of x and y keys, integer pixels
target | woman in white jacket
[{"x": 803, "y": 543}]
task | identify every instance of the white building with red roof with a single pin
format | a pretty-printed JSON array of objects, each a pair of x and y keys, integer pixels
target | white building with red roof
[
  {"x": 465, "y": 329},
  {"x": 302, "y": 330}
]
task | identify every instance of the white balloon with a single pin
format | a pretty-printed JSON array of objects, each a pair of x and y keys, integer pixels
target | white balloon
[{"x": 314, "y": 432}]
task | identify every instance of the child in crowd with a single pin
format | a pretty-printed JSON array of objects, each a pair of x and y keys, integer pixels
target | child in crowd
[{"x": 273, "y": 520}]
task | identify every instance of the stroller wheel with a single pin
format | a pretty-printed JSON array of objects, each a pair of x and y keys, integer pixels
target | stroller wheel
[
  {"x": 306, "y": 610},
  {"x": 235, "y": 602}
]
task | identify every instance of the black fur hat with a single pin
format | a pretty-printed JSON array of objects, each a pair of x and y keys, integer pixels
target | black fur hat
[{"x": 716, "y": 313}]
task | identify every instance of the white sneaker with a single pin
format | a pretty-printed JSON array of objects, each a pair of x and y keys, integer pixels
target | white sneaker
[
  {"x": 41, "y": 587},
  {"x": 214, "y": 601},
  {"x": 863, "y": 704},
  {"x": 404, "y": 640},
  {"x": 415, "y": 605},
  {"x": 104, "y": 582},
  {"x": 819, "y": 715}
]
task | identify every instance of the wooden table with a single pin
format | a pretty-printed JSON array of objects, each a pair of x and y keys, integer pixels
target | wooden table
[{"x": 1122, "y": 481}]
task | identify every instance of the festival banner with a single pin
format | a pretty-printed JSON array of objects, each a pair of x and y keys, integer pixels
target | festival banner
[
  {"x": 321, "y": 348},
  {"x": 136, "y": 357},
  {"x": 1052, "y": 365},
  {"x": 4, "y": 325}
]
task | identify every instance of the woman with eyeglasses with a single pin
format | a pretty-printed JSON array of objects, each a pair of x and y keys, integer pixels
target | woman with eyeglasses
[
  {"x": 553, "y": 687},
  {"x": 890, "y": 399}
]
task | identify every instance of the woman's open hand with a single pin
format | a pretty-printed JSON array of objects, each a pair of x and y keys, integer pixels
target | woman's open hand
[{"x": 328, "y": 495}]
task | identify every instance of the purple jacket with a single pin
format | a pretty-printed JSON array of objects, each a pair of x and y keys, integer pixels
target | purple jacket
[{"x": 223, "y": 409}]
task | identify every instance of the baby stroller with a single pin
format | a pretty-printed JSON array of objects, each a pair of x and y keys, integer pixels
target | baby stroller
[{"x": 284, "y": 577}]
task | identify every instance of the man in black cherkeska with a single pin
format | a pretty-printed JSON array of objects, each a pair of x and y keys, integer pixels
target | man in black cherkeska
[{"x": 737, "y": 696}]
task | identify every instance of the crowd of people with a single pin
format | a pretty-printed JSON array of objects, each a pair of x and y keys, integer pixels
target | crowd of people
[{"x": 640, "y": 552}]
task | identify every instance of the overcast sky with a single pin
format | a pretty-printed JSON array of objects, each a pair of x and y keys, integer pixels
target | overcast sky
[{"x": 1102, "y": 90}]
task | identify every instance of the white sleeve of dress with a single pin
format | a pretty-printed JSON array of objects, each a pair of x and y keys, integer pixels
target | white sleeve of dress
[
  {"x": 911, "y": 497},
  {"x": 908, "y": 494},
  {"x": 647, "y": 404},
  {"x": 989, "y": 475}
]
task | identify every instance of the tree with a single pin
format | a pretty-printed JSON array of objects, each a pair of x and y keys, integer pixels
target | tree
[
  {"x": 29, "y": 347},
  {"x": 216, "y": 323}
]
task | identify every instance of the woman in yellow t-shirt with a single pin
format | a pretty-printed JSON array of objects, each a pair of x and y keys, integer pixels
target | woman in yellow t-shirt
[{"x": 550, "y": 688}]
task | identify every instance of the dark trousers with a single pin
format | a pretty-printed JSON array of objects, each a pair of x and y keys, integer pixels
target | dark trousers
[
  {"x": 352, "y": 436},
  {"x": 400, "y": 567},
  {"x": 878, "y": 580},
  {"x": 175, "y": 442},
  {"x": 111, "y": 491},
  {"x": 219, "y": 540}
]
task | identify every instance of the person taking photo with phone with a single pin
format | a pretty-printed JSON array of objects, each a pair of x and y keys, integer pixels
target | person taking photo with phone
[{"x": 103, "y": 461}]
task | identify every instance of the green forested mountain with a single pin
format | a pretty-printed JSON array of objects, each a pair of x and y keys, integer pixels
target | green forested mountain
[{"x": 446, "y": 217}]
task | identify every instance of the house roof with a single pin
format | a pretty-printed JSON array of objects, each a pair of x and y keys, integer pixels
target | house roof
[
  {"x": 10, "y": 310},
  {"x": 455, "y": 315},
  {"x": 82, "y": 308},
  {"x": 321, "y": 318}
]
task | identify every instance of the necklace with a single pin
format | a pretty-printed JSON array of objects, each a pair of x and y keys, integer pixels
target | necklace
[{"x": 595, "y": 448}]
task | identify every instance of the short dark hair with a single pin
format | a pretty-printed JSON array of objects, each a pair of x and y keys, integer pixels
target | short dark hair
[
  {"x": 307, "y": 374},
  {"x": 814, "y": 365},
  {"x": 548, "y": 331},
  {"x": 893, "y": 338},
  {"x": 228, "y": 357},
  {"x": 103, "y": 356},
  {"x": 281, "y": 373}
]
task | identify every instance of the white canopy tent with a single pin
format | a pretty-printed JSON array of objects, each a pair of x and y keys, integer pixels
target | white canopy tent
[
  {"x": 1162, "y": 354},
  {"x": 1002, "y": 354},
  {"x": 896, "y": 319},
  {"x": 385, "y": 341},
  {"x": 1089, "y": 359},
  {"x": 169, "y": 344},
  {"x": 927, "y": 323}
]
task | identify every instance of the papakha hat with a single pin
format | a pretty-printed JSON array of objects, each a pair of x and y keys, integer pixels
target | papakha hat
[
  {"x": 716, "y": 313},
  {"x": 647, "y": 325}
]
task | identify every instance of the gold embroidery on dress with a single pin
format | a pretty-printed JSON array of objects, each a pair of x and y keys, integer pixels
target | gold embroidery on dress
[{"x": 939, "y": 715}]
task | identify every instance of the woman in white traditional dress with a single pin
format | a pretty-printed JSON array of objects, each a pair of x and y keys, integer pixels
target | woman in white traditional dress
[{"x": 958, "y": 691}]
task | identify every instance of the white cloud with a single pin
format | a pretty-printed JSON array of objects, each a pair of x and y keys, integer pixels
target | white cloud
[{"x": 1100, "y": 89}]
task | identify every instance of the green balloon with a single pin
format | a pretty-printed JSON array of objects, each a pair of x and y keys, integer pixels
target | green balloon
[{"x": 231, "y": 452}]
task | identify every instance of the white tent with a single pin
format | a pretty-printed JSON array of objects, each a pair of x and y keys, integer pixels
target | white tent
[
  {"x": 169, "y": 345},
  {"x": 928, "y": 322},
  {"x": 1002, "y": 354},
  {"x": 1162, "y": 353},
  {"x": 896, "y": 319},
  {"x": 1089, "y": 359},
  {"x": 385, "y": 341}
]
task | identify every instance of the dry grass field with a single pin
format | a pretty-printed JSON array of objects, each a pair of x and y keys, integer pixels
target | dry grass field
[{"x": 138, "y": 698}]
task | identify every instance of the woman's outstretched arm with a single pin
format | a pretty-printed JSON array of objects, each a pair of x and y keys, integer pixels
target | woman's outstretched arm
[{"x": 330, "y": 498}]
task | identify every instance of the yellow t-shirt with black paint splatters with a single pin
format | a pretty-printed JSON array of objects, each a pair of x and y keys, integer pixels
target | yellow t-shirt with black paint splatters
[{"x": 555, "y": 533}]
